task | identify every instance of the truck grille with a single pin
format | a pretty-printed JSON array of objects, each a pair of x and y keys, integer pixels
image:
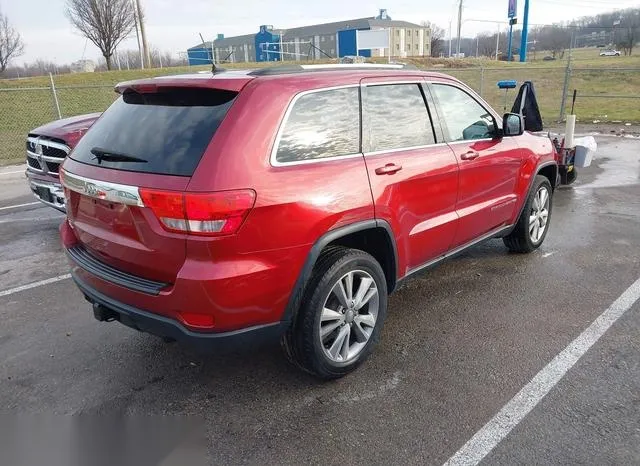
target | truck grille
[{"x": 45, "y": 154}]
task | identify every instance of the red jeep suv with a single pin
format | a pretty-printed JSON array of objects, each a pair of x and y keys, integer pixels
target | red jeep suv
[{"x": 288, "y": 202}]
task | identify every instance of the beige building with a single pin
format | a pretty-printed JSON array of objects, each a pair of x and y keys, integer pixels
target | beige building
[
  {"x": 411, "y": 41},
  {"x": 320, "y": 41},
  {"x": 405, "y": 39}
]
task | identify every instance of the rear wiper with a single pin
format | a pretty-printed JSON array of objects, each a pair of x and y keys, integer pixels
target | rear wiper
[{"x": 111, "y": 156}]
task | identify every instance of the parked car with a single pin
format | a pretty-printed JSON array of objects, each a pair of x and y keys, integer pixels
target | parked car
[
  {"x": 289, "y": 202},
  {"x": 610, "y": 53},
  {"x": 549, "y": 58},
  {"x": 47, "y": 147}
]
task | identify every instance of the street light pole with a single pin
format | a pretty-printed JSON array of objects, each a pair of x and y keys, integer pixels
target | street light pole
[
  {"x": 450, "y": 36},
  {"x": 459, "y": 28}
]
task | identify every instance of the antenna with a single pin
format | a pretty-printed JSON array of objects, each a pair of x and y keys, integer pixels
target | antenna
[{"x": 213, "y": 61}]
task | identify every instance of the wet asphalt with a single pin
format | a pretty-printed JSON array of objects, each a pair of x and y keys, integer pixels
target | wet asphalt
[{"x": 459, "y": 342}]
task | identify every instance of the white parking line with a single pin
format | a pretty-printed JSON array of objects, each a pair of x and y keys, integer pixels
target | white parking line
[
  {"x": 35, "y": 284},
  {"x": 494, "y": 431},
  {"x": 11, "y": 173},
  {"x": 19, "y": 205}
]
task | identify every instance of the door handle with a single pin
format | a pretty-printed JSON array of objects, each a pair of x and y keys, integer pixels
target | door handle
[
  {"x": 471, "y": 155},
  {"x": 388, "y": 169}
]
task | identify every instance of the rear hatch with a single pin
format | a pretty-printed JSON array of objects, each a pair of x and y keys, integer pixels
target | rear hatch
[{"x": 125, "y": 179}]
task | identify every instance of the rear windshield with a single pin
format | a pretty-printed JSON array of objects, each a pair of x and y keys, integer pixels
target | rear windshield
[{"x": 163, "y": 132}]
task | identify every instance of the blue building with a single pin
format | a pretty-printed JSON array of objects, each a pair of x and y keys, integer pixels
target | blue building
[{"x": 321, "y": 41}]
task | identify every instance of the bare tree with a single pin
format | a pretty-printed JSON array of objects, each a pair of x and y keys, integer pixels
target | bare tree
[
  {"x": 11, "y": 45},
  {"x": 437, "y": 38},
  {"x": 104, "y": 22},
  {"x": 486, "y": 44},
  {"x": 631, "y": 31}
]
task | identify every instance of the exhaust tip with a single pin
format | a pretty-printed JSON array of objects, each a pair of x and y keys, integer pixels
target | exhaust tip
[{"x": 104, "y": 314}]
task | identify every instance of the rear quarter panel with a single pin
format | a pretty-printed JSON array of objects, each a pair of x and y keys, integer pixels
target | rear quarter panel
[{"x": 295, "y": 204}]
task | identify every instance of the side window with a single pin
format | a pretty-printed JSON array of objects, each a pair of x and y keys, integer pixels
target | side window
[
  {"x": 464, "y": 117},
  {"x": 396, "y": 117},
  {"x": 321, "y": 124}
]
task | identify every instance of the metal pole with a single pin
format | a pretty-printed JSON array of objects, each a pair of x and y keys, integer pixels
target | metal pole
[
  {"x": 497, "y": 42},
  {"x": 565, "y": 89},
  {"x": 450, "y": 37},
  {"x": 281, "y": 50},
  {"x": 525, "y": 32},
  {"x": 459, "y": 28},
  {"x": 55, "y": 96},
  {"x": 481, "y": 81}
]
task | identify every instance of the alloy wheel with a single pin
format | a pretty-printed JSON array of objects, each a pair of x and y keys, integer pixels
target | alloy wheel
[
  {"x": 349, "y": 316},
  {"x": 539, "y": 216}
]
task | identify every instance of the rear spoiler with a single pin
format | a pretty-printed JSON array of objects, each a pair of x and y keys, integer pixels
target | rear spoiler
[{"x": 228, "y": 81}]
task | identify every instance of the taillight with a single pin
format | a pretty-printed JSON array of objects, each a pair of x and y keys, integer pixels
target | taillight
[{"x": 206, "y": 214}]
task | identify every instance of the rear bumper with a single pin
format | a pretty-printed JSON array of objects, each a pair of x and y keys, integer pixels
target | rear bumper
[{"x": 108, "y": 309}]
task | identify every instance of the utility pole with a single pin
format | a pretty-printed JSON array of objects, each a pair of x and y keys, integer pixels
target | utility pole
[
  {"x": 147, "y": 54},
  {"x": 135, "y": 19},
  {"x": 459, "y": 27}
]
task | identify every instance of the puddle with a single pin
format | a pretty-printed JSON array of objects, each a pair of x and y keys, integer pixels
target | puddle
[{"x": 619, "y": 165}]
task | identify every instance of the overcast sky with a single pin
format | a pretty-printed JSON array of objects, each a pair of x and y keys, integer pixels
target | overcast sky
[{"x": 173, "y": 25}]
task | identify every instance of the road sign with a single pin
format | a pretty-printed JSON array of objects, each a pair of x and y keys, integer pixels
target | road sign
[{"x": 513, "y": 8}]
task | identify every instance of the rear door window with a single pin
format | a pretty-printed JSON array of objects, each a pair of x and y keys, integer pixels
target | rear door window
[
  {"x": 164, "y": 132},
  {"x": 321, "y": 124},
  {"x": 396, "y": 117}
]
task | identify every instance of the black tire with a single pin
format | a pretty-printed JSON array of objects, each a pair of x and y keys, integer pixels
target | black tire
[
  {"x": 519, "y": 240},
  {"x": 302, "y": 342}
]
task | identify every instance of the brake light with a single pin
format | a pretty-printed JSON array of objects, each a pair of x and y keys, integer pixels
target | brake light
[{"x": 205, "y": 214}]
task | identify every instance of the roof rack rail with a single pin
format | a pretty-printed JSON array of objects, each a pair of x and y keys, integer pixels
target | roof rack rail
[{"x": 291, "y": 69}]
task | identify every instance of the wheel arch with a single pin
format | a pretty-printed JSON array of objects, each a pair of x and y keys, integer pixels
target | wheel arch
[
  {"x": 550, "y": 171},
  {"x": 372, "y": 236}
]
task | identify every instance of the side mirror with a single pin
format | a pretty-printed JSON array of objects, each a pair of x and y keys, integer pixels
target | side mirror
[{"x": 512, "y": 125}]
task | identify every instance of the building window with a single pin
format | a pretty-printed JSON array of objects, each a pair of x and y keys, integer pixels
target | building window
[
  {"x": 321, "y": 38},
  {"x": 398, "y": 47},
  {"x": 417, "y": 46},
  {"x": 408, "y": 32},
  {"x": 397, "y": 32},
  {"x": 417, "y": 32},
  {"x": 407, "y": 47}
]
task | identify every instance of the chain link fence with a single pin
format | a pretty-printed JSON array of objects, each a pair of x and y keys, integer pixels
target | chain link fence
[
  {"x": 24, "y": 107},
  {"x": 603, "y": 95}
]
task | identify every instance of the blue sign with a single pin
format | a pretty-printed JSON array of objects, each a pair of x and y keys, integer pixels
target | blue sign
[{"x": 513, "y": 8}]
